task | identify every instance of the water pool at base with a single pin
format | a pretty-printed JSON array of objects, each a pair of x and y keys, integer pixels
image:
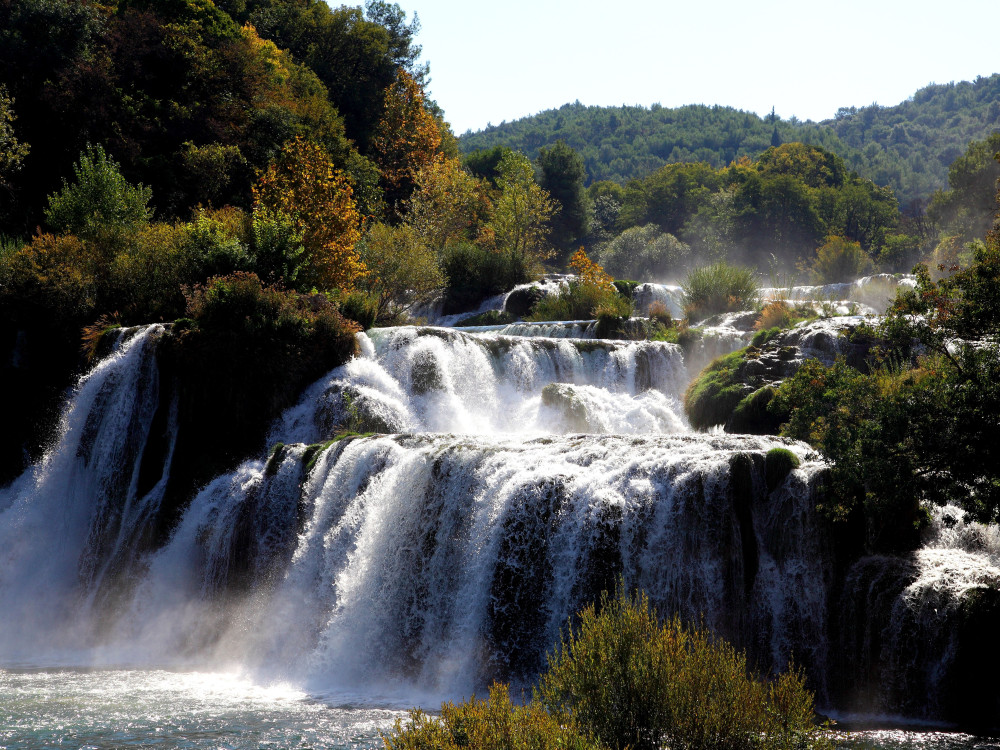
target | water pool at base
[{"x": 101, "y": 709}]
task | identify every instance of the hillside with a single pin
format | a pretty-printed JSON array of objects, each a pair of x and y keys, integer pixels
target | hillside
[{"x": 908, "y": 146}]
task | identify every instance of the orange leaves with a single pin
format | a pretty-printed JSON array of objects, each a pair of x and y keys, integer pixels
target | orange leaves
[
  {"x": 303, "y": 184},
  {"x": 589, "y": 272},
  {"x": 407, "y": 139}
]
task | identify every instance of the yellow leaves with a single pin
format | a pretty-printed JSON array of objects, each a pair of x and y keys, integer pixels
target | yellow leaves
[
  {"x": 407, "y": 139},
  {"x": 303, "y": 185},
  {"x": 589, "y": 272}
]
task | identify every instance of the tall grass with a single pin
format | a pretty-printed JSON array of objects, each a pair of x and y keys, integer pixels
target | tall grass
[{"x": 719, "y": 288}]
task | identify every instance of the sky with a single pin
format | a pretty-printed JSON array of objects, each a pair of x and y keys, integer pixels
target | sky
[{"x": 500, "y": 61}]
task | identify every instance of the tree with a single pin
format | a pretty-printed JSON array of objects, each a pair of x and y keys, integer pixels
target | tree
[
  {"x": 100, "y": 200},
  {"x": 407, "y": 139},
  {"x": 521, "y": 213},
  {"x": 401, "y": 270},
  {"x": 12, "y": 151},
  {"x": 562, "y": 175},
  {"x": 303, "y": 184},
  {"x": 449, "y": 205},
  {"x": 967, "y": 208}
]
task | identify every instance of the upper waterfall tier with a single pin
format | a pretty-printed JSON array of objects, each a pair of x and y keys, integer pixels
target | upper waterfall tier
[{"x": 439, "y": 380}]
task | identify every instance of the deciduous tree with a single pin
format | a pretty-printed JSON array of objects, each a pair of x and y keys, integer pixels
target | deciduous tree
[{"x": 303, "y": 184}]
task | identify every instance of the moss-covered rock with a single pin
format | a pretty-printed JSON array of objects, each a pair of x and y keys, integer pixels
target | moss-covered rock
[
  {"x": 716, "y": 392},
  {"x": 425, "y": 373},
  {"x": 778, "y": 464}
]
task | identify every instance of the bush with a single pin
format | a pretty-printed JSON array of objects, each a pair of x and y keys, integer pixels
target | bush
[
  {"x": 719, "y": 288},
  {"x": 634, "y": 682},
  {"x": 475, "y": 273},
  {"x": 778, "y": 464},
  {"x": 840, "y": 260},
  {"x": 493, "y": 724},
  {"x": 99, "y": 201},
  {"x": 645, "y": 253},
  {"x": 582, "y": 302}
]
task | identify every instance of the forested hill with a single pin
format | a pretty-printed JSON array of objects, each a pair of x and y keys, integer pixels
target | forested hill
[{"x": 908, "y": 146}]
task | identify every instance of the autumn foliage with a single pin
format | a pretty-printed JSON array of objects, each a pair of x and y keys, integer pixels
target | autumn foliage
[
  {"x": 407, "y": 139},
  {"x": 303, "y": 185}
]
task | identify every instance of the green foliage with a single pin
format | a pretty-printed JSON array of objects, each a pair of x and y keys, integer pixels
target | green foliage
[
  {"x": 967, "y": 209},
  {"x": 712, "y": 396},
  {"x": 99, "y": 200},
  {"x": 583, "y": 301},
  {"x": 908, "y": 146},
  {"x": 360, "y": 307},
  {"x": 475, "y": 273},
  {"x": 839, "y": 260},
  {"x": 719, "y": 288},
  {"x": 901, "y": 435},
  {"x": 562, "y": 175},
  {"x": 277, "y": 247},
  {"x": 493, "y": 724},
  {"x": 645, "y": 253},
  {"x": 634, "y": 682},
  {"x": 12, "y": 151},
  {"x": 402, "y": 271},
  {"x": 520, "y": 220}
]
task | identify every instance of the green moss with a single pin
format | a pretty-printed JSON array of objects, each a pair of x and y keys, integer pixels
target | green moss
[
  {"x": 715, "y": 393},
  {"x": 312, "y": 453},
  {"x": 778, "y": 464},
  {"x": 762, "y": 337},
  {"x": 752, "y": 415},
  {"x": 625, "y": 288},
  {"x": 275, "y": 459}
]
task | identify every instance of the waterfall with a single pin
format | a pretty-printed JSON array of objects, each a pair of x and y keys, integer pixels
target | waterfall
[
  {"x": 439, "y": 380},
  {"x": 515, "y": 478},
  {"x": 442, "y": 562},
  {"x": 73, "y": 519}
]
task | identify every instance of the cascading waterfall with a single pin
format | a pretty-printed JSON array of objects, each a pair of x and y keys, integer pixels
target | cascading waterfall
[
  {"x": 437, "y": 380},
  {"x": 450, "y": 552},
  {"x": 72, "y": 520}
]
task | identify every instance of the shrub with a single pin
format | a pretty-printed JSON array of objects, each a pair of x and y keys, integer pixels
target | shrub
[
  {"x": 582, "y": 302},
  {"x": 99, "y": 201},
  {"x": 839, "y": 260},
  {"x": 213, "y": 246},
  {"x": 493, "y": 724},
  {"x": 719, "y": 288},
  {"x": 145, "y": 277},
  {"x": 401, "y": 270},
  {"x": 659, "y": 312},
  {"x": 634, "y": 682},
  {"x": 774, "y": 314},
  {"x": 475, "y": 273},
  {"x": 53, "y": 275}
]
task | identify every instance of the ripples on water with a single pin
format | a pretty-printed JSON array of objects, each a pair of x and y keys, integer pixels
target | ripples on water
[
  {"x": 98, "y": 709},
  {"x": 101, "y": 709}
]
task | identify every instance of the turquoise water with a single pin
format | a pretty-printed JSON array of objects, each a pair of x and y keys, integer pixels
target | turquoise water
[{"x": 100, "y": 709}]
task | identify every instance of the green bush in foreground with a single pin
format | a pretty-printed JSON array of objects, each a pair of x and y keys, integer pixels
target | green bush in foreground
[
  {"x": 494, "y": 724},
  {"x": 635, "y": 682},
  {"x": 719, "y": 288},
  {"x": 622, "y": 679}
]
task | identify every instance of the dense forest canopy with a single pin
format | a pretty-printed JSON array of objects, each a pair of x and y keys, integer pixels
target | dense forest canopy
[{"x": 908, "y": 146}]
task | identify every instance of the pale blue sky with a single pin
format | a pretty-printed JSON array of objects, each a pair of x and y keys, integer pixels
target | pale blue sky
[{"x": 501, "y": 61}]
